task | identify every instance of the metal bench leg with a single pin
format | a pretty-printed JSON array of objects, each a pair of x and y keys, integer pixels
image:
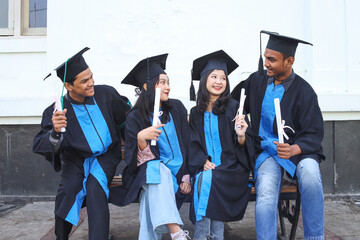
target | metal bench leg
[
  {"x": 297, "y": 214},
  {"x": 281, "y": 218}
]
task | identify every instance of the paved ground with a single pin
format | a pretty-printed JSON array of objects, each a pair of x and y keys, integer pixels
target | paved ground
[{"x": 27, "y": 221}]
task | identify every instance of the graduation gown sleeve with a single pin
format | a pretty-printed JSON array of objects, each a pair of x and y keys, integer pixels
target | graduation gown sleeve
[
  {"x": 303, "y": 114},
  {"x": 42, "y": 144},
  {"x": 197, "y": 147}
]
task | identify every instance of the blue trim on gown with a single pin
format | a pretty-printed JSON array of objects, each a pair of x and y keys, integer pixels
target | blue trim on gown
[
  {"x": 214, "y": 150},
  {"x": 266, "y": 130},
  {"x": 97, "y": 134},
  {"x": 170, "y": 155}
]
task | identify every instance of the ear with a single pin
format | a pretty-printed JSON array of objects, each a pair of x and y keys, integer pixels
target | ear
[
  {"x": 145, "y": 86},
  {"x": 68, "y": 86},
  {"x": 290, "y": 60}
]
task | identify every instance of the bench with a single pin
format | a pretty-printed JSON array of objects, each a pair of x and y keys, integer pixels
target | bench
[{"x": 288, "y": 206}]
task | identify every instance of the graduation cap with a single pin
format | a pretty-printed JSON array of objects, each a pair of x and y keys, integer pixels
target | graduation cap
[
  {"x": 219, "y": 60},
  {"x": 279, "y": 43},
  {"x": 72, "y": 67},
  {"x": 145, "y": 70}
]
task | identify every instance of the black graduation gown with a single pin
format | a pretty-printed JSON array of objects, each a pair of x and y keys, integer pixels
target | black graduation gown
[
  {"x": 75, "y": 149},
  {"x": 229, "y": 190},
  {"x": 299, "y": 108},
  {"x": 134, "y": 177}
]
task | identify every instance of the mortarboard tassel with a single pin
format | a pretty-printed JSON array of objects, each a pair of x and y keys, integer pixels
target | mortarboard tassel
[
  {"x": 261, "y": 66},
  {"x": 261, "y": 62},
  {"x": 192, "y": 92},
  {"x": 148, "y": 70},
  {"x": 192, "y": 88}
]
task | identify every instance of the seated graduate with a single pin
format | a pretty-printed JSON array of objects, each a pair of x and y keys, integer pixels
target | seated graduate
[
  {"x": 87, "y": 152},
  {"x": 159, "y": 173},
  {"x": 303, "y": 129},
  {"x": 220, "y": 149}
]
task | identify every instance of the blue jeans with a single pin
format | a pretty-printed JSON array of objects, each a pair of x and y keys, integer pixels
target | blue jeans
[
  {"x": 208, "y": 229},
  {"x": 268, "y": 185}
]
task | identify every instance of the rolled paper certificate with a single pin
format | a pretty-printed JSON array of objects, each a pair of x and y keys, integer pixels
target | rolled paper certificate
[
  {"x": 156, "y": 111},
  {"x": 241, "y": 104},
  {"x": 278, "y": 120},
  {"x": 58, "y": 107}
]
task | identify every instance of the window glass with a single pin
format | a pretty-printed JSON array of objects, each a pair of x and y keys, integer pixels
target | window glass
[
  {"x": 4, "y": 13},
  {"x": 37, "y": 13}
]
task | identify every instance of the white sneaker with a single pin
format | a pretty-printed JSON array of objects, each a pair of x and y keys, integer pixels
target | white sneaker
[{"x": 182, "y": 235}]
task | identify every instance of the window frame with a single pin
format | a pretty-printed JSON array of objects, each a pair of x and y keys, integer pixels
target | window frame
[
  {"x": 25, "y": 29},
  {"x": 9, "y": 31}
]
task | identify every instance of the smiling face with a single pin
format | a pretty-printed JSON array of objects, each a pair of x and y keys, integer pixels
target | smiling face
[
  {"x": 164, "y": 84},
  {"x": 278, "y": 67},
  {"x": 82, "y": 87},
  {"x": 216, "y": 83}
]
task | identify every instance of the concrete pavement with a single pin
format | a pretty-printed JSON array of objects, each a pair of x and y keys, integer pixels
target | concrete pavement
[{"x": 28, "y": 221}]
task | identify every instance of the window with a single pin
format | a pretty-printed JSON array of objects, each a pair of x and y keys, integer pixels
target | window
[
  {"x": 34, "y": 17},
  {"x": 23, "y": 17},
  {"x": 6, "y": 18}
]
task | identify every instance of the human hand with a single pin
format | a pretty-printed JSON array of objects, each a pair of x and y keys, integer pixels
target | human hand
[
  {"x": 185, "y": 188},
  {"x": 240, "y": 125},
  {"x": 150, "y": 133},
  {"x": 286, "y": 150},
  {"x": 59, "y": 120},
  {"x": 209, "y": 165},
  {"x": 283, "y": 150}
]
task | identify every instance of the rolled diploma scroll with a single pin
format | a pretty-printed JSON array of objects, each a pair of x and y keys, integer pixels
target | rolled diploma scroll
[
  {"x": 156, "y": 111},
  {"x": 278, "y": 120},
  {"x": 58, "y": 107},
  {"x": 241, "y": 104}
]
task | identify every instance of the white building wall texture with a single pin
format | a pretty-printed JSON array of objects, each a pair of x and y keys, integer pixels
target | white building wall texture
[{"x": 121, "y": 33}]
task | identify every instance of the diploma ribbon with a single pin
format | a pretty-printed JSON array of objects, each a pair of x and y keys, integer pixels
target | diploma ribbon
[
  {"x": 282, "y": 131},
  {"x": 160, "y": 113}
]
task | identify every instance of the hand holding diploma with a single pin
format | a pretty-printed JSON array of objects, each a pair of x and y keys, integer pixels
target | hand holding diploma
[
  {"x": 156, "y": 111},
  {"x": 151, "y": 133},
  {"x": 241, "y": 108},
  {"x": 285, "y": 150},
  {"x": 59, "y": 121},
  {"x": 240, "y": 131},
  {"x": 59, "y": 118}
]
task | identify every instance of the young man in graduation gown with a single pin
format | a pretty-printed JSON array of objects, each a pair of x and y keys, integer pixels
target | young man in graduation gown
[
  {"x": 88, "y": 151},
  {"x": 301, "y": 153}
]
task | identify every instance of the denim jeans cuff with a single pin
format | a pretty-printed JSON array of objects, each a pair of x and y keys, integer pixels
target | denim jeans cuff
[{"x": 314, "y": 238}]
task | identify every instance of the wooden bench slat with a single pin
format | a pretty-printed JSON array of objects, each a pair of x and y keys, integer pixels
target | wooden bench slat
[{"x": 286, "y": 188}]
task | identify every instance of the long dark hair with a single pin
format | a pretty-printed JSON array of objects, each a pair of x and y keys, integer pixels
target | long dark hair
[
  {"x": 145, "y": 104},
  {"x": 203, "y": 97}
]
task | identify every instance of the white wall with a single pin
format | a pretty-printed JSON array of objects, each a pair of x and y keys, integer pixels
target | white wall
[{"x": 121, "y": 33}]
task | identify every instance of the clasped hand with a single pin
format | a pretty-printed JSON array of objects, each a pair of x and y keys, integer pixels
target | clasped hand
[
  {"x": 240, "y": 125},
  {"x": 150, "y": 133},
  {"x": 59, "y": 120}
]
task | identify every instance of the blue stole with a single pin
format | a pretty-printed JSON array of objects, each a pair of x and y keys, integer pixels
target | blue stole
[
  {"x": 170, "y": 155},
  {"x": 97, "y": 134},
  {"x": 214, "y": 150},
  {"x": 266, "y": 130}
]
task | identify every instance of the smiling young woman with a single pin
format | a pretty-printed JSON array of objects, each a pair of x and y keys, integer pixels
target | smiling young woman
[
  {"x": 218, "y": 151},
  {"x": 158, "y": 173}
]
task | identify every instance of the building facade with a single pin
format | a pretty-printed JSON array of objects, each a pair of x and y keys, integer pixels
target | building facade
[{"x": 37, "y": 35}]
